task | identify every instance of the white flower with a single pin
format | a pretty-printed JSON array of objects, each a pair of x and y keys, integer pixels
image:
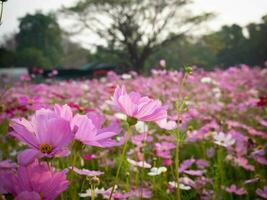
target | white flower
[
  {"x": 126, "y": 76},
  {"x": 157, "y": 171},
  {"x": 141, "y": 127},
  {"x": 181, "y": 186},
  {"x": 206, "y": 80},
  {"x": 223, "y": 139},
  {"x": 88, "y": 192}
]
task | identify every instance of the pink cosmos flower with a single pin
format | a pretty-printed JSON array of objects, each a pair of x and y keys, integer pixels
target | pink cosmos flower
[
  {"x": 89, "y": 130},
  {"x": 186, "y": 164},
  {"x": 234, "y": 189},
  {"x": 194, "y": 172},
  {"x": 36, "y": 182},
  {"x": 7, "y": 164},
  {"x": 142, "y": 164},
  {"x": 47, "y": 135},
  {"x": 89, "y": 156},
  {"x": 163, "y": 149},
  {"x": 141, "y": 108},
  {"x": 262, "y": 192},
  {"x": 86, "y": 172}
]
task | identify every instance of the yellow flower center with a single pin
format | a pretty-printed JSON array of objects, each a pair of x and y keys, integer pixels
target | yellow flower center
[{"x": 45, "y": 148}]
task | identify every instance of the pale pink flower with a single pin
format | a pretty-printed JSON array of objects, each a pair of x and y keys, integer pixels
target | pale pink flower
[
  {"x": 86, "y": 172},
  {"x": 135, "y": 106},
  {"x": 234, "y": 189},
  {"x": 88, "y": 130},
  {"x": 262, "y": 192},
  {"x": 47, "y": 135},
  {"x": 143, "y": 164},
  {"x": 223, "y": 139}
]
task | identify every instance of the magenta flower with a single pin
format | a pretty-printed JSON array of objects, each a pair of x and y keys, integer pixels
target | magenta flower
[
  {"x": 36, "y": 182},
  {"x": 47, "y": 135},
  {"x": 141, "y": 108},
  {"x": 89, "y": 130}
]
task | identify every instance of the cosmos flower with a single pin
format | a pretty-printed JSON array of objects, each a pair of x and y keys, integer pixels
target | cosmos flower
[
  {"x": 88, "y": 130},
  {"x": 36, "y": 182},
  {"x": 234, "y": 189},
  {"x": 173, "y": 184},
  {"x": 47, "y": 135},
  {"x": 223, "y": 139},
  {"x": 262, "y": 192},
  {"x": 88, "y": 192},
  {"x": 135, "y": 106},
  {"x": 86, "y": 172},
  {"x": 7, "y": 164},
  {"x": 154, "y": 171},
  {"x": 143, "y": 164}
]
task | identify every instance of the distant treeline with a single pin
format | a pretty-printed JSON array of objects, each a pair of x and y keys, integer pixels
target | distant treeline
[{"x": 40, "y": 42}]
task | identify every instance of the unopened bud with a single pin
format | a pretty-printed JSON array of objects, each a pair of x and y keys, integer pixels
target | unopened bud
[{"x": 95, "y": 181}]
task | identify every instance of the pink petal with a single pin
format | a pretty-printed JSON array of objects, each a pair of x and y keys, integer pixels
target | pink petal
[{"x": 28, "y": 156}]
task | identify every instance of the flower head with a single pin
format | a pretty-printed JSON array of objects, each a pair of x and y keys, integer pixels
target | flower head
[
  {"x": 223, "y": 139},
  {"x": 90, "y": 132},
  {"x": 47, "y": 134},
  {"x": 35, "y": 181},
  {"x": 141, "y": 108}
]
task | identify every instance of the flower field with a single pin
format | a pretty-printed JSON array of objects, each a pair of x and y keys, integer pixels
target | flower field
[{"x": 170, "y": 135}]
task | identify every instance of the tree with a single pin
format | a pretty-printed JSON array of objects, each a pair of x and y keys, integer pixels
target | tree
[
  {"x": 40, "y": 32},
  {"x": 32, "y": 57},
  {"x": 257, "y": 42},
  {"x": 134, "y": 29}
]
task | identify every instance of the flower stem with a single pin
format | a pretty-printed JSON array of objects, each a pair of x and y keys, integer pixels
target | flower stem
[
  {"x": 178, "y": 196},
  {"x": 121, "y": 160},
  {"x": 92, "y": 192}
]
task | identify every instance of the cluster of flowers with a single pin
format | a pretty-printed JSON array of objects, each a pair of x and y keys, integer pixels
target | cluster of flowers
[
  {"x": 49, "y": 133},
  {"x": 222, "y": 127}
]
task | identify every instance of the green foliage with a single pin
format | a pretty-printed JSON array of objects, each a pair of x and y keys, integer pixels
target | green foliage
[
  {"x": 4, "y": 127},
  {"x": 31, "y": 57},
  {"x": 6, "y": 57},
  {"x": 40, "y": 32}
]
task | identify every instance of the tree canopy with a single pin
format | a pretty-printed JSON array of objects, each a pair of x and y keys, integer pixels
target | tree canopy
[
  {"x": 41, "y": 32},
  {"x": 134, "y": 29}
]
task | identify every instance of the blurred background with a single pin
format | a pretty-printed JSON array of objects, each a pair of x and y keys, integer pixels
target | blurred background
[{"x": 76, "y": 38}]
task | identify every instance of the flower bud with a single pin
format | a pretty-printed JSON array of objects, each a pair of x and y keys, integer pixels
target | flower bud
[{"x": 95, "y": 181}]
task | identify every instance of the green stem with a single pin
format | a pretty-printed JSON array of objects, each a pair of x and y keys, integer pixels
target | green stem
[
  {"x": 121, "y": 160},
  {"x": 92, "y": 192},
  {"x": 178, "y": 196},
  {"x": 142, "y": 169},
  {"x": 73, "y": 191}
]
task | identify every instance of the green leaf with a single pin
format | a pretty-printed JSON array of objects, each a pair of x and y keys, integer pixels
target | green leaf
[{"x": 4, "y": 127}]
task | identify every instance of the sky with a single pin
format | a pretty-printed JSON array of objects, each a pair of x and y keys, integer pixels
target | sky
[{"x": 228, "y": 12}]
